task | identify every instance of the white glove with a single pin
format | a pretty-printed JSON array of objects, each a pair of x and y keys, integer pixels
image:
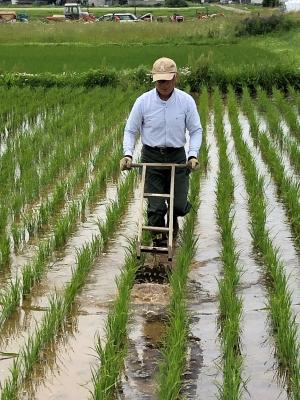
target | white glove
[
  {"x": 193, "y": 164},
  {"x": 125, "y": 163}
]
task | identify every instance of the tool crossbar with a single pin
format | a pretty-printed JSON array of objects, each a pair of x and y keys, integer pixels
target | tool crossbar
[{"x": 169, "y": 196}]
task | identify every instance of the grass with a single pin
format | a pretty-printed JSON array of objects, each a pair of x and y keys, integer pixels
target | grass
[
  {"x": 80, "y": 58},
  {"x": 79, "y": 47}
]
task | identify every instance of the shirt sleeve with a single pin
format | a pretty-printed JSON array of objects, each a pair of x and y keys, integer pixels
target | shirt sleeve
[
  {"x": 132, "y": 128},
  {"x": 194, "y": 127}
]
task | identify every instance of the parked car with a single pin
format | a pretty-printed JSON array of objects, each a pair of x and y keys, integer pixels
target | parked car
[
  {"x": 119, "y": 17},
  {"x": 147, "y": 17},
  {"x": 72, "y": 11}
]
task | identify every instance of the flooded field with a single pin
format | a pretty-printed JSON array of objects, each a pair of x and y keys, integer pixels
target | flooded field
[{"x": 82, "y": 318}]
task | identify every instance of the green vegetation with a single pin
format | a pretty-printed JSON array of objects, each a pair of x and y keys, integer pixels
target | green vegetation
[
  {"x": 282, "y": 318},
  {"x": 57, "y": 48},
  {"x": 288, "y": 189},
  {"x": 53, "y": 167},
  {"x": 62, "y": 223},
  {"x": 111, "y": 355},
  {"x": 55, "y": 316},
  {"x": 263, "y": 25},
  {"x": 230, "y": 304}
]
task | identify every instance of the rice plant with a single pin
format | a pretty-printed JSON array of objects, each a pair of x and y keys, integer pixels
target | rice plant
[
  {"x": 230, "y": 304},
  {"x": 282, "y": 318},
  {"x": 58, "y": 309},
  {"x": 287, "y": 189}
]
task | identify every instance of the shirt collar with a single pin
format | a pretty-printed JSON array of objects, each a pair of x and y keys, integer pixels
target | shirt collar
[{"x": 170, "y": 99}]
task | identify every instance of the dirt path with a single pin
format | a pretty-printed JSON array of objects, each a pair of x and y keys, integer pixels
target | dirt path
[{"x": 234, "y": 10}]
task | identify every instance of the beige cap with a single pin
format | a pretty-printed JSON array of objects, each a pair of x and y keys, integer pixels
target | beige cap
[{"x": 164, "y": 69}]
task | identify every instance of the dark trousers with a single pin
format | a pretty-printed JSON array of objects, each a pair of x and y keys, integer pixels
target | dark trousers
[{"x": 158, "y": 181}]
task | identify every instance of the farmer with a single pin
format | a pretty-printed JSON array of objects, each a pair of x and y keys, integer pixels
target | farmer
[{"x": 162, "y": 116}]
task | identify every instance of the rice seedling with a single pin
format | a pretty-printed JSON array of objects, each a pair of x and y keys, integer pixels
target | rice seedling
[
  {"x": 111, "y": 356},
  {"x": 35, "y": 221},
  {"x": 287, "y": 189},
  {"x": 10, "y": 300},
  {"x": 290, "y": 145},
  {"x": 58, "y": 308},
  {"x": 230, "y": 304},
  {"x": 32, "y": 272},
  {"x": 274, "y": 120},
  {"x": 282, "y": 319},
  {"x": 288, "y": 112},
  {"x": 4, "y": 240},
  {"x": 294, "y": 97},
  {"x": 32, "y": 222},
  {"x": 29, "y": 184}
]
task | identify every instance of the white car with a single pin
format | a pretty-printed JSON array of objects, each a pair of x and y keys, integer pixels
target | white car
[{"x": 119, "y": 17}]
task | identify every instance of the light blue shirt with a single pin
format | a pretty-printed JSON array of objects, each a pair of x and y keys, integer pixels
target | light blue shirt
[{"x": 164, "y": 123}]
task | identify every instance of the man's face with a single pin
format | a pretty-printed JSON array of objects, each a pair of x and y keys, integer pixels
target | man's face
[{"x": 165, "y": 88}]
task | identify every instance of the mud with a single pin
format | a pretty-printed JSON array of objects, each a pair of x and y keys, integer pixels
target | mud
[{"x": 145, "y": 336}]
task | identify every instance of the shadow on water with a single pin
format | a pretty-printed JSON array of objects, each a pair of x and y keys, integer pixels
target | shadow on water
[{"x": 49, "y": 362}]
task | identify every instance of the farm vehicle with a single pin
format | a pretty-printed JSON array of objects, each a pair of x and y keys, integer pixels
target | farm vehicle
[
  {"x": 12, "y": 16},
  {"x": 72, "y": 12}
]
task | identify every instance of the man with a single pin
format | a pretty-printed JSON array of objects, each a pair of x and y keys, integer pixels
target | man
[{"x": 162, "y": 116}]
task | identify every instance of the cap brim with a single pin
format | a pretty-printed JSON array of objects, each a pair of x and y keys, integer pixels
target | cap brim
[{"x": 163, "y": 77}]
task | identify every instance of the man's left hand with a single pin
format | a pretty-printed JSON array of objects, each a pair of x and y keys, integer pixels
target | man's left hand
[{"x": 193, "y": 164}]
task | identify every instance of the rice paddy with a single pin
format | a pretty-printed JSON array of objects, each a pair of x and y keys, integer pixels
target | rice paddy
[{"x": 74, "y": 322}]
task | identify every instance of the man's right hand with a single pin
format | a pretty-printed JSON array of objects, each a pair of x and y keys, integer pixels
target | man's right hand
[
  {"x": 125, "y": 163},
  {"x": 193, "y": 164}
]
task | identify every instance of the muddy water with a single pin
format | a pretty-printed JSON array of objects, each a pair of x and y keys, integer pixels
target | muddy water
[
  {"x": 204, "y": 351},
  {"x": 57, "y": 276},
  {"x": 277, "y": 222},
  {"x": 20, "y": 258},
  {"x": 257, "y": 346},
  {"x": 279, "y": 227},
  {"x": 20, "y": 327},
  {"x": 61, "y": 270},
  {"x": 74, "y": 378},
  {"x": 285, "y": 156},
  {"x": 289, "y": 170},
  {"x": 146, "y": 332}
]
